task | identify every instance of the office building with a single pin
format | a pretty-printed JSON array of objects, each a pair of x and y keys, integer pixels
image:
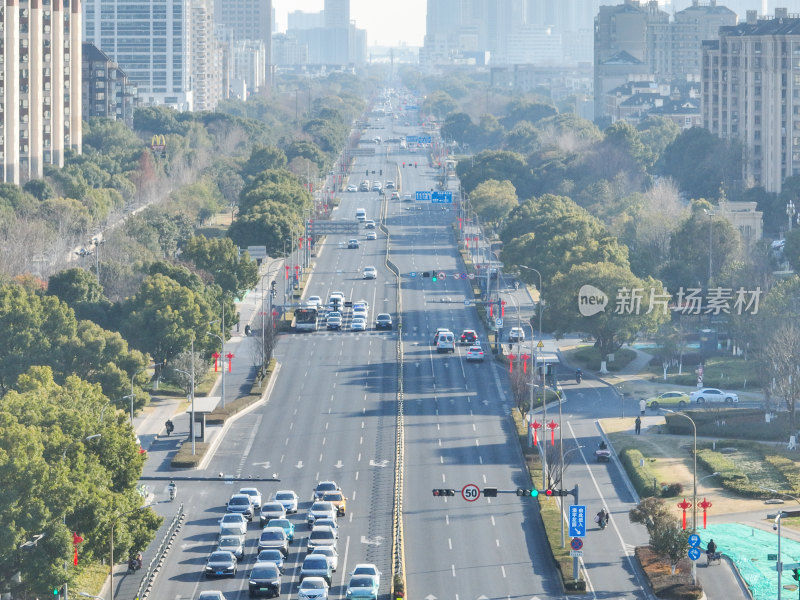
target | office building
[
  {"x": 106, "y": 90},
  {"x": 207, "y": 56},
  {"x": 305, "y": 20},
  {"x": 751, "y": 93},
  {"x": 336, "y": 14},
  {"x": 150, "y": 40},
  {"x": 287, "y": 51},
  {"x": 248, "y": 20},
  {"x": 41, "y": 86}
]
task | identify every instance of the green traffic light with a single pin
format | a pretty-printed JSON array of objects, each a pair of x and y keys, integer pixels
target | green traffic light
[
  {"x": 55, "y": 591},
  {"x": 434, "y": 278},
  {"x": 534, "y": 493}
]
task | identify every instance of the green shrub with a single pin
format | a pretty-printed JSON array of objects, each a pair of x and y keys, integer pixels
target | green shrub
[
  {"x": 184, "y": 459},
  {"x": 588, "y": 358},
  {"x": 669, "y": 490},
  {"x": 639, "y": 472}
]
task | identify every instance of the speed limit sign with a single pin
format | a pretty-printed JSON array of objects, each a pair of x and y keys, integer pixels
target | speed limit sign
[{"x": 470, "y": 492}]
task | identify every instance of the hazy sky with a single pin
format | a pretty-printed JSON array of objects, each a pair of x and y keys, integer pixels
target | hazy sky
[{"x": 388, "y": 22}]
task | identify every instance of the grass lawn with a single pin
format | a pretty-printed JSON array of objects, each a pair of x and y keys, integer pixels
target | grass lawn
[
  {"x": 588, "y": 359},
  {"x": 726, "y": 372}
]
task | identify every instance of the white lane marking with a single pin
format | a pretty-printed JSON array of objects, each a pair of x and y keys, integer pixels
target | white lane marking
[
  {"x": 447, "y": 519},
  {"x": 438, "y": 427},
  {"x": 359, "y": 457},
  {"x": 356, "y": 475},
  {"x": 477, "y": 442},
  {"x": 450, "y": 543},
  {"x": 320, "y": 457},
  {"x": 484, "y": 478},
  {"x": 326, "y": 425},
  {"x": 474, "y": 428},
  {"x": 453, "y": 569},
  {"x": 323, "y": 441},
  {"x": 492, "y": 518},
  {"x": 361, "y": 440},
  {"x": 362, "y": 424},
  {"x": 441, "y": 460},
  {"x": 353, "y": 499},
  {"x": 503, "y": 570},
  {"x": 343, "y": 566},
  {"x": 291, "y": 425},
  {"x": 282, "y": 457},
  {"x": 480, "y": 459},
  {"x": 497, "y": 543},
  {"x": 440, "y": 441},
  {"x": 286, "y": 443},
  {"x": 443, "y": 479}
]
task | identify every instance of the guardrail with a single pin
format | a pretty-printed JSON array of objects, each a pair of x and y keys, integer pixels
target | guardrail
[{"x": 153, "y": 568}]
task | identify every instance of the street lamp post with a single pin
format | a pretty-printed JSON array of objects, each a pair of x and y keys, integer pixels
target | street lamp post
[
  {"x": 711, "y": 214},
  {"x": 561, "y": 486},
  {"x": 190, "y": 375},
  {"x": 790, "y": 211},
  {"x": 111, "y": 545},
  {"x": 779, "y": 565}
]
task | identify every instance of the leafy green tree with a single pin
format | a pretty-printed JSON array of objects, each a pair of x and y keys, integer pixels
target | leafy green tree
[
  {"x": 159, "y": 120},
  {"x": 791, "y": 249},
  {"x": 161, "y": 233},
  {"x": 439, "y": 104},
  {"x": 568, "y": 130},
  {"x": 702, "y": 163},
  {"x": 527, "y": 110},
  {"x": 183, "y": 363},
  {"x": 306, "y": 149},
  {"x": 267, "y": 223},
  {"x": 552, "y": 233},
  {"x": 83, "y": 293},
  {"x": 45, "y": 453},
  {"x": 39, "y": 189},
  {"x": 491, "y": 132},
  {"x": 697, "y": 239},
  {"x": 493, "y": 200},
  {"x": 459, "y": 128},
  {"x": 263, "y": 158},
  {"x": 628, "y": 314},
  {"x": 655, "y": 134},
  {"x": 220, "y": 258},
  {"x": 523, "y": 138},
  {"x": 15, "y": 198},
  {"x": 493, "y": 164},
  {"x": 164, "y": 316},
  {"x": 281, "y": 187}
]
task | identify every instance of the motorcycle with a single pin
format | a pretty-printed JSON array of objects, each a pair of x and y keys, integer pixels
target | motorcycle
[
  {"x": 134, "y": 564},
  {"x": 602, "y": 454},
  {"x": 173, "y": 491},
  {"x": 578, "y": 376},
  {"x": 602, "y": 522}
]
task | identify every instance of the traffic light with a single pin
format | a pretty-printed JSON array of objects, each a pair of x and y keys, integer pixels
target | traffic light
[
  {"x": 434, "y": 277},
  {"x": 490, "y": 492},
  {"x": 55, "y": 591},
  {"x": 531, "y": 493},
  {"x": 796, "y": 574},
  {"x": 381, "y": 172},
  {"x": 426, "y": 273},
  {"x": 441, "y": 492},
  {"x": 367, "y": 173}
]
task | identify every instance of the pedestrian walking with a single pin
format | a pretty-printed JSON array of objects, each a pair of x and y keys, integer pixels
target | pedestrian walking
[
  {"x": 642, "y": 406},
  {"x": 638, "y": 425}
]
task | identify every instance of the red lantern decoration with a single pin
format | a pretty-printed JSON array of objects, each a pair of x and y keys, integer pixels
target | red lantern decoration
[
  {"x": 216, "y": 356},
  {"x": 535, "y": 426},
  {"x": 511, "y": 358},
  {"x": 705, "y": 505},
  {"x": 552, "y": 425},
  {"x": 683, "y": 506},
  {"x": 229, "y": 356}
]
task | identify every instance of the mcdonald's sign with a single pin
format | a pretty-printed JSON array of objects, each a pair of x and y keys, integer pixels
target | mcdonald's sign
[{"x": 158, "y": 143}]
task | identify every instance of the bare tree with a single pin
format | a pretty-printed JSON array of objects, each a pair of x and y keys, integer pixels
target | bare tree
[
  {"x": 781, "y": 353},
  {"x": 179, "y": 368}
]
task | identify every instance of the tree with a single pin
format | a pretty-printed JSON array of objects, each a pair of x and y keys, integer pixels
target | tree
[
  {"x": 655, "y": 134},
  {"x": 634, "y": 306},
  {"x": 263, "y": 158},
  {"x": 182, "y": 364},
  {"x": 267, "y": 223},
  {"x": 780, "y": 354},
  {"x": 306, "y": 149},
  {"x": 220, "y": 258},
  {"x": 493, "y": 200},
  {"x": 523, "y": 138},
  {"x": 667, "y": 537},
  {"x": 552, "y": 233},
  {"x": 493, "y": 164},
  {"x": 459, "y": 128},
  {"x": 75, "y": 286},
  {"x": 439, "y": 104},
  {"x": 526, "y": 110},
  {"x": 702, "y": 163}
]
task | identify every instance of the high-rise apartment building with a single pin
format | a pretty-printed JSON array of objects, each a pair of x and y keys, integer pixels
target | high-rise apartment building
[
  {"x": 41, "y": 85},
  {"x": 207, "y": 57},
  {"x": 248, "y": 20},
  {"x": 751, "y": 93},
  {"x": 150, "y": 40},
  {"x": 336, "y": 14}
]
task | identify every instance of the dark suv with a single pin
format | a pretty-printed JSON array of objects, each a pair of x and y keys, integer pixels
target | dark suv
[
  {"x": 469, "y": 337},
  {"x": 383, "y": 321}
]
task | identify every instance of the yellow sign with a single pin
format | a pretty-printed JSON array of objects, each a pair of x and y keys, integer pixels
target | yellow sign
[{"x": 540, "y": 344}]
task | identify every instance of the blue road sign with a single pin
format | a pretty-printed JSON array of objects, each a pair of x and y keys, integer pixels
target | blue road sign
[
  {"x": 577, "y": 520},
  {"x": 412, "y": 139},
  {"x": 694, "y": 553},
  {"x": 576, "y": 543},
  {"x": 413, "y": 273},
  {"x": 423, "y": 196},
  {"x": 694, "y": 540},
  {"x": 424, "y": 139},
  {"x": 442, "y": 197}
]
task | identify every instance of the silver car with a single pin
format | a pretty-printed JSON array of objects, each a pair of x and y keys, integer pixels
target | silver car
[
  {"x": 233, "y": 544},
  {"x": 234, "y": 521},
  {"x": 288, "y": 498},
  {"x": 275, "y": 538},
  {"x": 321, "y": 536},
  {"x": 330, "y": 552},
  {"x": 320, "y": 510},
  {"x": 271, "y": 510}
]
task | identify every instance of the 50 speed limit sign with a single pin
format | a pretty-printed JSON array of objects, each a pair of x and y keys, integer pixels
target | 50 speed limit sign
[{"x": 470, "y": 492}]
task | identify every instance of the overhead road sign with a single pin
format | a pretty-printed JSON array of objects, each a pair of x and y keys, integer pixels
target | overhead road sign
[
  {"x": 331, "y": 227},
  {"x": 412, "y": 139},
  {"x": 424, "y": 139}
]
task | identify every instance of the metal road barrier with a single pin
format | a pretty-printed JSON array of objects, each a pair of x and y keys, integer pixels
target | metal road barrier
[{"x": 153, "y": 568}]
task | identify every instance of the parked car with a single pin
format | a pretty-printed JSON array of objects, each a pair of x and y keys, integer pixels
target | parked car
[
  {"x": 713, "y": 395},
  {"x": 679, "y": 399}
]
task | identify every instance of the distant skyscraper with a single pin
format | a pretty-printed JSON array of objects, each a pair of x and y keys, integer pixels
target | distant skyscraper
[
  {"x": 40, "y": 88},
  {"x": 337, "y": 14},
  {"x": 206, "y": 57},
  {"x": 248, "y": 20},
  {"x": 150, "y": 40}
]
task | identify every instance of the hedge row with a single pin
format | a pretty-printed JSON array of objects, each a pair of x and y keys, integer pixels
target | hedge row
[
  {"x": 734, "y": 423},
  {"x": 639, "y": 472},
  {"x": 184, "y": 459}
]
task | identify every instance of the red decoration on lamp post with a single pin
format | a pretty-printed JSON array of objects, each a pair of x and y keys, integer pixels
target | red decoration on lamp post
[
  {"x": 684, "y": 506},
  {"x": 287, "y": 267},
  {"x": 525, "y": 358},
  {"x": 502, "y": 308},
  {"x": 216, "y": 356},
  {"x": 535, "y": 426},
  {"x": 229, "y": 356},
  {"x": 552, "y": 425},
  {"x": 459, "y": 223},
  {"x": 511, "y": 358},
  {"x": 705, "y": 505}
]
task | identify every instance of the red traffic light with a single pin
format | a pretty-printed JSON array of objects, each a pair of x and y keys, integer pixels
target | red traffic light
[{"x": 548, "y": 492}]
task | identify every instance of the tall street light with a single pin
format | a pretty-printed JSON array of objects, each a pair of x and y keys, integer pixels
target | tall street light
[
  {"x": 190, "y": 375},
  {"x": 711, "y": 214},
  {"x": 790, "y": 210},
  {"x": 777, "y": 525},
  {"x": 132, "y": 396},
  {"x": 694, "y": 475},
  {"x": 111, "y": 544},
  {"x": 222, "y": 351}
]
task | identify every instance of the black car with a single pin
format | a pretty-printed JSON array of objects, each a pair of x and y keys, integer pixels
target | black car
[
  {"x": 220, "y": 564},
  {"x": 383, "y": 321},
  {"x": 469, "y": 337},
  {"x": 265, "y": 580}
]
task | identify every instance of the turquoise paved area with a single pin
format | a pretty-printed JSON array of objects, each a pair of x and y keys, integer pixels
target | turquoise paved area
[{"x": 748, "y": 548}]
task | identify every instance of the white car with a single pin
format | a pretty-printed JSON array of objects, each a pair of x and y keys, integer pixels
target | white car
[
  {"x": 320, "y": 510},
  {"x": 367, "y": 569},
  {"x": 288, "y": 498},
  {"x": 255, "y": 495},
  {"x": 475, "y": 353},
  {"x": 314, "y": 301},
  {"x": 713, "y": 395},
  {"x": 517, "y": 334},
  {"x": 369, "y": 224},
  {"x": 360, "y": 312},
  {"x": 331, "y": 553},
  {"x": 371, "y": 235},
  {"x": 333, "y": 322},
  {"x": 352, "y": 188},
  {"x": 321, "y": 536},
  {"x": 358, "y": 324},
  {"x": 370, "y": 273},
  {"x": 234, "y": 521},
  {"x": 313, "y": 588}
]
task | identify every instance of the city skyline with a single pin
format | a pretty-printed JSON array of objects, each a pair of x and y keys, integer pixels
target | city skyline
[{"x": 387, "y": 24}]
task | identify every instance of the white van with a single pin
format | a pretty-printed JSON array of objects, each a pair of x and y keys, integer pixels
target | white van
[
  {"x": 361, "y": 215},
  {"x": 446, "y": 342}
]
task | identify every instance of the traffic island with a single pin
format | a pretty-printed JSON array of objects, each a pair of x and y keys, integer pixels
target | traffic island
[{"x": 665, "y": 583}]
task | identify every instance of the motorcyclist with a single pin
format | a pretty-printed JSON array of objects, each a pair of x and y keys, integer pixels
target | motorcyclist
[
  {"x": 247, "y": 329},
  {"x": 173, "y": 489},
  {"x": 170, "y": 426},
  {"x": 602, "y": 445},
  {"x": 578, "y": 375},
  {"x": 602, "y": 518},
  {"x": 711, "y": 549}
]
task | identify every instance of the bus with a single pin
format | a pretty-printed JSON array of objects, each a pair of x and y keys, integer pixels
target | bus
[{"x": 306, "y": 319}]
